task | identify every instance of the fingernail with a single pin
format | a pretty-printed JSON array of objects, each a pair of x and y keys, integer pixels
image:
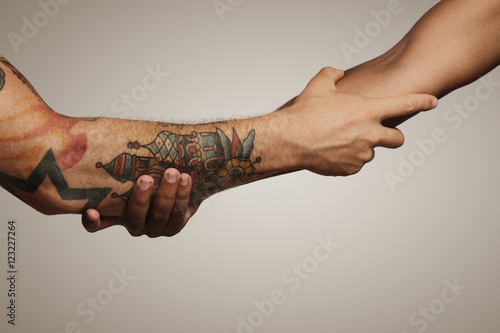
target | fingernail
[
  {"x": 184, "y": 181},
  {"x": 435, "y": 102},
  {"x": 171, "y": 177},
  {"x": 145, "y": 184}
]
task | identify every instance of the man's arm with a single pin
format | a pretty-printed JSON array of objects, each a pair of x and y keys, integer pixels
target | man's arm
[
  {"x": 59, "y": 164},
  {"x": 453, "y": 44}
]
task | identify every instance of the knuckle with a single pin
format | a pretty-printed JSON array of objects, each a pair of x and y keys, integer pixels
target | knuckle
[
  {"x": 165, "y": 196},
  {"x": 372, "y": 137},
  {"x": 183, "y": 197},
  {"x": 157, "y": 216},
  {"x": 142, "y": 202}
]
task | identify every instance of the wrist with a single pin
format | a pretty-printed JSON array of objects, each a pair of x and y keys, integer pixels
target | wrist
[{"x": 286, "y": 152}]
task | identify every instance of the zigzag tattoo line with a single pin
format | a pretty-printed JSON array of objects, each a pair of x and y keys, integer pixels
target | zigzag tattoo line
[{"x": 48, "y": 166}]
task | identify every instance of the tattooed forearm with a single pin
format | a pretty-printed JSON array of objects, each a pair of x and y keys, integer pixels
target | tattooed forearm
[
  {"x": 214, "y": 161},
  {"x": 49, "y": 168},
  {"x": 49, "y": 160}
]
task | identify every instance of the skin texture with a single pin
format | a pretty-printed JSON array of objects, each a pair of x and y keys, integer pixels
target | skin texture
[
  {"x": 453, "y": 44},
  {"x": 62, "y": 165}
]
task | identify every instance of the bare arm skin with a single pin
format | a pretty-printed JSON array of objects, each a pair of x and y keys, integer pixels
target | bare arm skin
[
  {"x": 60, "y": 165},
  {"x": 452, "y": 45}
]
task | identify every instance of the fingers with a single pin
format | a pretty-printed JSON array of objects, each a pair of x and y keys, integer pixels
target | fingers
[
  {"x": 167, "y": 215},
  {"x": 138, "y": 205},
  {"x": 399, "y": 106},
  {"x": 180, "y": 213},
  {"x": 405, "y": 105},
  {"x": 135, "y": 214},
  {"x": 391, "y": 138},
  {"x": 163, "y": 203}
]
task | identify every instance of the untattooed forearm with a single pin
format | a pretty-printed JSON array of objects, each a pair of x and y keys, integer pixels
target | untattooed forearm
[{"x": 453, "y": 44}]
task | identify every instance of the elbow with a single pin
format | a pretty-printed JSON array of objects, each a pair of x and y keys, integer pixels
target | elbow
[
  {"x": 46, "y": 206},
  {"x": 50, "y": 203}
]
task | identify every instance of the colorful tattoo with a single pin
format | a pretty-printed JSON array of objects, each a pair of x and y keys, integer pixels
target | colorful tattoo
[
  {"x": 42, "y": 123},
  {"x": 213, "y": 160},
  {"x": 49, "y": 168}
]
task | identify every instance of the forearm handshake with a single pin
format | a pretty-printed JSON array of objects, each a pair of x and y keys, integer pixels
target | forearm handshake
[
  {"x": 323, "y": 131},
  {"x": 64, "y": 165}
]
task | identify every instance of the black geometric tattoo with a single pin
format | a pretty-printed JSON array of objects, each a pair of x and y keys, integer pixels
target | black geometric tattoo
[{"x": 48, "y": 167}]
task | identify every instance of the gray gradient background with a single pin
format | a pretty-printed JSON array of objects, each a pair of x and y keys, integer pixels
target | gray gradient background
[{"x": 396, "y": 248}]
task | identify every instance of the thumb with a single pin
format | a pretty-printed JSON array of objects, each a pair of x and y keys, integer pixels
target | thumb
[
  {"x": 323, "y": 82},
  {"x": 92, "y": 221}
]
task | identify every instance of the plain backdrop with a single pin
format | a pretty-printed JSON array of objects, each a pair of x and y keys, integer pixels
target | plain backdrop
[{"x": 396, "y": 252}]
